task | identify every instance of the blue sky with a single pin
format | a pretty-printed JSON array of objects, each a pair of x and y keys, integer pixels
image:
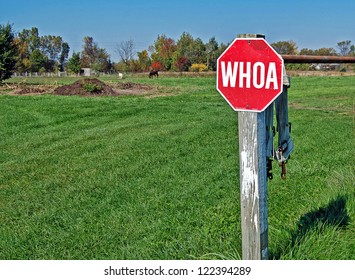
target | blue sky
[{"x": 311, "y": 24}]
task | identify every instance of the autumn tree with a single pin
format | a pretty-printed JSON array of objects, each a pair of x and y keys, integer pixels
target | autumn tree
[
  {"x": 144, "y": 61},
  {"x": 47, "y": 52},
  {"x": 191, "y": 51},
  {"x": 163, "y": 51},
  {"x": 27, "y": 41},
  {"x": 182, "y": 55},
  {"x": 92, "y": 56},
  {"x": 184, "y": 45},
  {"x": 8, "y": 52},
  {"x": 89, "y": 52},
  {"x": 321, "y": 51},
  {"x": 157, "y": 65},
  {"x": 182, "y": 64},
  {"x": 285, "y": 47}
]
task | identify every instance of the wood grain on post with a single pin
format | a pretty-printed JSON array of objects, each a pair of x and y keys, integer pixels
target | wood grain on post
[{"x": 253, "y": 181}]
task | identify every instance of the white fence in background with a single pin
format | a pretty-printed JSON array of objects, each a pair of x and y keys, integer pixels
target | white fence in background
[
  {"x": 59, "y": 74},
  {"x": 37, "y": 74}
]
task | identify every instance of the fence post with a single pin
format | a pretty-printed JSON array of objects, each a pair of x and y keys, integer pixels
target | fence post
[{"x": 253, "y": 181}]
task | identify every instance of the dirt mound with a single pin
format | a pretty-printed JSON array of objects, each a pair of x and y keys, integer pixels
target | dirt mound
[
  {"x": 86, "y": 87},
  {"x": 33, "y": 90}
]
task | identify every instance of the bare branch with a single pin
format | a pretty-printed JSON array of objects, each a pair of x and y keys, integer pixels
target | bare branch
[{"x": 125, "y": 49}]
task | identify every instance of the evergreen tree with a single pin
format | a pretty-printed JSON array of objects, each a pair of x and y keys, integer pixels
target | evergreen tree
[
  {"x": 212, "y": 53},
  {"x": 39, "y": 61},
  {"x": 74, "y": 63},
  {"x": 63, "y": 55},
  {"x": 8, "y": 52}
]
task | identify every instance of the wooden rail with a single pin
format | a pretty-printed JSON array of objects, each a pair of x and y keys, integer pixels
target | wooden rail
[{"x": 317, "y": 59}]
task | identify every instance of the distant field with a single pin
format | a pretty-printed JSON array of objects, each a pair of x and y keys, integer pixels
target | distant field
[{"x": 136, "y": 177}]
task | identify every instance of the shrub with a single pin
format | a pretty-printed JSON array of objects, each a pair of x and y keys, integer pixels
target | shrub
[
  {"x": 198, "y": 67},
  {"x": 91, "y": 88},
  {"x": 182, "y": 64},
  {"x": 157, "y": 65}
]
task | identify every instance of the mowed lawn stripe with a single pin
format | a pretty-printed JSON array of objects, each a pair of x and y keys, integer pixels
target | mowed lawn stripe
[{"x": 133, "y": 177}]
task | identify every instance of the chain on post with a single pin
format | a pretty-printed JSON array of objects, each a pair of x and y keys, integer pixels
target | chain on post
[
  {"x": 285, "y": 144},
  {"x": 270, "y": 134}
]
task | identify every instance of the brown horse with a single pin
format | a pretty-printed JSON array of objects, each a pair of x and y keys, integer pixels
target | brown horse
[{"x": 153, "y": 73}]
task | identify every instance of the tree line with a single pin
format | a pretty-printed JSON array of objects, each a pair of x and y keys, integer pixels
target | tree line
[
  {"x": 36, "y": 53},
  {"x": 27, "y": 51}
]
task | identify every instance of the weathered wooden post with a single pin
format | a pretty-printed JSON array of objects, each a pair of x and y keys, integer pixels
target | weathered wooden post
[
  {"x": 253, "y": 185},
  {"x": 253, "y": 182},
  {"x": 249, "y": 77}
]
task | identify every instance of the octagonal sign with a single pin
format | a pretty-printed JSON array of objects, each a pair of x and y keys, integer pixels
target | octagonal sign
[{"x": 249, "y": 74}]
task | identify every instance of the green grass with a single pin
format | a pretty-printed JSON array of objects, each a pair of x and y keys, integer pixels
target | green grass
[{"x": 157, "y": 178}]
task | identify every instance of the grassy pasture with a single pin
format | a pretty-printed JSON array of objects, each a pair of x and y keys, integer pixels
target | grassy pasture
[{"x": 136, "y": 177}]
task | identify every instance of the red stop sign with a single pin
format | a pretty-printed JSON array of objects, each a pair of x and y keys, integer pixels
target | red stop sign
[{"x": 249, "y": 74}]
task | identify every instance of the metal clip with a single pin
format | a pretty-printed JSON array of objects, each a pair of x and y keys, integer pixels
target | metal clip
[{"x": 279, "y": 154}]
